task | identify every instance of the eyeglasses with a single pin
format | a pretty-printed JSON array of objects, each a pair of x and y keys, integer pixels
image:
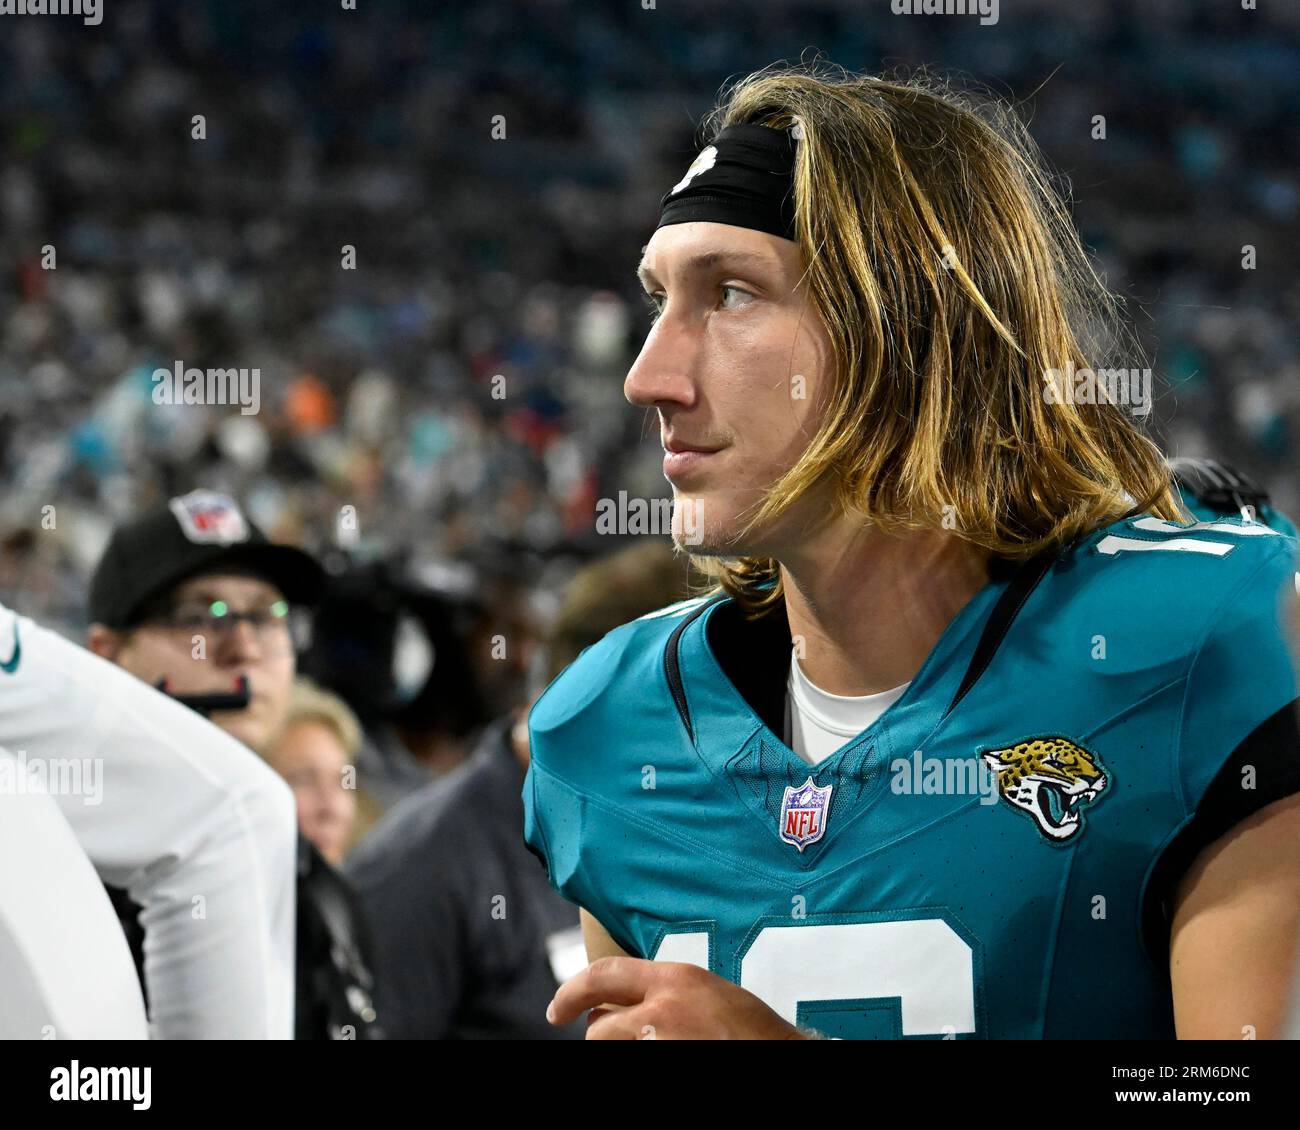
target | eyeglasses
[{"x": 274, "y": 625}]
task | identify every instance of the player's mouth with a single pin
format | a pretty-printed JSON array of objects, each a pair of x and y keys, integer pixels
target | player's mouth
[{"x": 684, "y": 459}]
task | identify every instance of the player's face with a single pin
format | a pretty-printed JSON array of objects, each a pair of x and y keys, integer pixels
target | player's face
[
  {"x": 310, "y": 757},
  {"x": 736, "y": 365},
  {"x": 198, "y": 656}
]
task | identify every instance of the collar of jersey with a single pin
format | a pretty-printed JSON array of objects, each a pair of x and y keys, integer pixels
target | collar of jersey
[{"x": 724, "y": 720}]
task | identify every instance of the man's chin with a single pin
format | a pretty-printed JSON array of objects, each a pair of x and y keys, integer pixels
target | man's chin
[
  {"x": 240, "y": 727},
  {"x": 704, "y": 548},
  {"x": 696, "y": 531},
  {"x": 706, "y": 542}
]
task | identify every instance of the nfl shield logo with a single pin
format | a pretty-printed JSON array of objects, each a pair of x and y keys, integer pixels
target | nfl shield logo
[
  {"x": 803, "y": 813},
  {"x": 206, "y": 516}
]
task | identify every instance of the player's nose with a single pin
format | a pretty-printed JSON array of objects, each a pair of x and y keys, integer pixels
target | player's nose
[{"x": 665, "y": 370}]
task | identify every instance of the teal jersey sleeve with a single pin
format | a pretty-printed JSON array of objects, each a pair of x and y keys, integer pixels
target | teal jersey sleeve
[
  {"x": 585, "y": 733},
  {"x": 534, "y": 833},
  {"x": 1243, "y": 670}
]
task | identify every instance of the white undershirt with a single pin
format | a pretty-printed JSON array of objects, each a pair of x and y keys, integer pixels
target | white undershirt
[{"x": 818, "y": 723}]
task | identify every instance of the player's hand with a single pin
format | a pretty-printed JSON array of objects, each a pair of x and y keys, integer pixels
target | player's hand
[{"x": 664, "y": 1001}]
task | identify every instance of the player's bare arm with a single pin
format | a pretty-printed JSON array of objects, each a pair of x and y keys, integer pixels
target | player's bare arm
[{"x": 1236, "y": 929}]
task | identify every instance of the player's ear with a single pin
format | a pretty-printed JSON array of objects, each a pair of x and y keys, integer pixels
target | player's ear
[{"x": 105, "y": 642}]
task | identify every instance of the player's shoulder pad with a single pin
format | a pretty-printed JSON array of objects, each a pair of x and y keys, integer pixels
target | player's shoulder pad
[
  {"x": 1243, "y": 542},
  {"x": 1212, "y": 489},
  {"x": 628, "y": 658},
  {"x": 1180, "y": 575}
]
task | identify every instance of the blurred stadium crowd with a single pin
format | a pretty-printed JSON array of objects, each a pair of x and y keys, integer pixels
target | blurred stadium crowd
[
  {"x": 460, "y": 392},
  {"x": 480, "y": 257}
]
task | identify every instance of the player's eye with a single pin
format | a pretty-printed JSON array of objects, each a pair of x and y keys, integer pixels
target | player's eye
[
  {"x": 655, "y": 303},
  {"x": 733, "y": 297}
]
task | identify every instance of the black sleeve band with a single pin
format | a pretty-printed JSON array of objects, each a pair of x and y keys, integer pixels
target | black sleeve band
[{"x": 1273, "y": 751}]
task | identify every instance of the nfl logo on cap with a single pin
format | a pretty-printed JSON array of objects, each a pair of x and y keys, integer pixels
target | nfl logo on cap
[
  {"x": 803, "y": 814},
  {"x": 206, "y": 516}
]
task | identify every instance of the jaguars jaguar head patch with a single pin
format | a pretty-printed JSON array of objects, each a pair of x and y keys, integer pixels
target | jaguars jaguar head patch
[{"x": 1051, "y": 780}]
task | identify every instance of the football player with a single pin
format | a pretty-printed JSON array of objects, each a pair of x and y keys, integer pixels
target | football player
[{"x": 980, "y": 735}]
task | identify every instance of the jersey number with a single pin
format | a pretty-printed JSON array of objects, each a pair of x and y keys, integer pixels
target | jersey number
[
  {"x": 922, "y": 967},
  {"x": 1179, "y": 541}
]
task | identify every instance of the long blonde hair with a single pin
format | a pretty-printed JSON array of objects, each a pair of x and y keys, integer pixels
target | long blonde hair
[{"x": 950, "y": 280}]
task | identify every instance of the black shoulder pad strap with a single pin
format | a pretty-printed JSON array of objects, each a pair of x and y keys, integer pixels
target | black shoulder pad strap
[
  {"x": 672, "y": 665},
  {"x": 1022, "y": 584},
  {"x": 1219, "y": 486}
]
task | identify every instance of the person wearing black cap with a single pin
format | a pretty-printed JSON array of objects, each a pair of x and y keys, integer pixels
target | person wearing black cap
[
  {"x": 194, "y": 599},
  {"x": 193, "y": 595}
]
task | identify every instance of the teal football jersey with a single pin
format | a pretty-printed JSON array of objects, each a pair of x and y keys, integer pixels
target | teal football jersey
[
  {"x": 1273, "y": 518},
  {"x": 983, "y": 860}
]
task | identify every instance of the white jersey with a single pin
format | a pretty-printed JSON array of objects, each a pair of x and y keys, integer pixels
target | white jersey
[{"x": 198, "y": 830}]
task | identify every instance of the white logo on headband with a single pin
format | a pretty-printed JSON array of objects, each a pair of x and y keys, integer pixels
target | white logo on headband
[
  {"x": 206, "y": 516},
  {"x": 702, "y": 163}
]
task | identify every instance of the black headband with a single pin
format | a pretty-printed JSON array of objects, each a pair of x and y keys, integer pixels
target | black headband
[{"x": 745, "y": 178}]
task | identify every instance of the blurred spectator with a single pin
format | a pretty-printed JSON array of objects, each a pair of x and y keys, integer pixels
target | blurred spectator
[
  {"x": 471, "y": 941},
  {"x": 314, "y": 751},
  {"x": 192, "y": 597},
  {"x": 396, "y": 652}
]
